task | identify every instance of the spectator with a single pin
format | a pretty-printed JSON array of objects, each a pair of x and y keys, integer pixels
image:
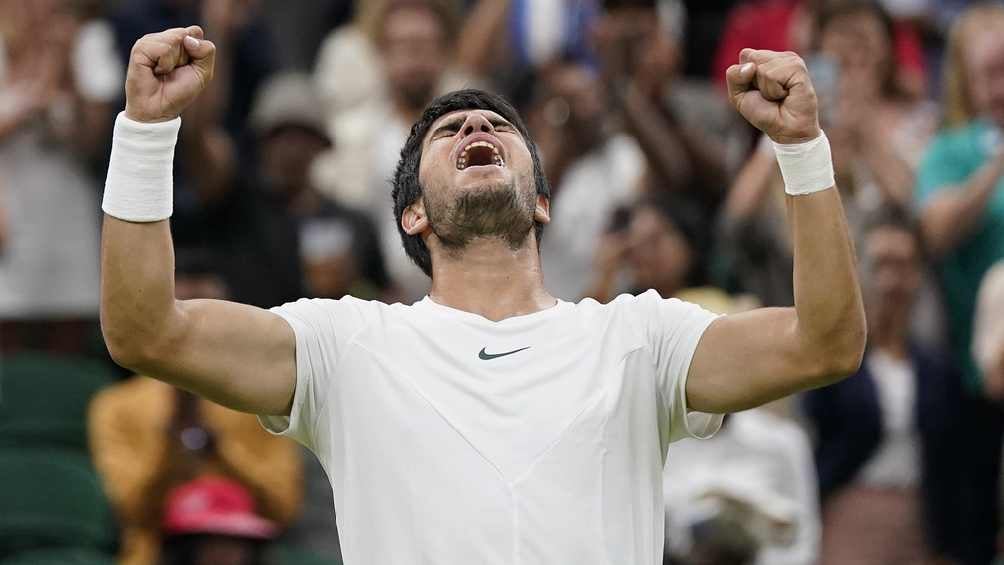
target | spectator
[
  {"x": 777, "y": 25},
  {"x": 332, "y": 251},
  {"x": 245, "y": 53},
  {"x": 338, "y": 247},
  {"x": 147, "y": 437},
  {"x": 545, "y": 30},
  {"x": 693, "y": 140},
  {"x": 55, "y": 113},
  {"x": 755, "y": 252},
  {"x": 414, "y": 47},
  {"x": 223, "y": 206},
  {"x": 590, "y": 170},
  {"x": 887, "y": 451},
  {"x": 507, "y": 40},
  {"x": 349, "y": 51},
  {"x": 213, "y": 521},
  {"x": 877, "y": 135},
  {"x": 756, "y": 480},
  {"x": 657, "y": 244},
  {"x": 961, "y": 207},
  {"x": 214, "y": 204},
  {"x": 869, "y": 117},
  {"x": 302, "y": 26},
  {"x": 704, "y": 25},
  {"x": 787, "y": 25}
]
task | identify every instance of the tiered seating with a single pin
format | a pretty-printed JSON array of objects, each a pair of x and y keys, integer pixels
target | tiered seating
[{"x": 52, "y": 506}]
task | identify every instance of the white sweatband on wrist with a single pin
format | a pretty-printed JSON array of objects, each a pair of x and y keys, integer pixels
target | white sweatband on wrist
[
  {"x": 806, "y": 167},
  {"x": 140, "y": 182}
]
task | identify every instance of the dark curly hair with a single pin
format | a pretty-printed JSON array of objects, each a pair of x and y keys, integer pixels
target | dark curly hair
[{"x": 406, "y": 188}]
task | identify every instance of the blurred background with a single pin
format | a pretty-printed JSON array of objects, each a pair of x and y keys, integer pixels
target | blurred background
[{"x": 282, "y": 190}]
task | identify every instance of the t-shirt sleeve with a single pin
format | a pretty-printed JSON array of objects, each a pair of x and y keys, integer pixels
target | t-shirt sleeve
[
  {"x": 673, "y": 329},
  {"x": 323, "y": 329}
]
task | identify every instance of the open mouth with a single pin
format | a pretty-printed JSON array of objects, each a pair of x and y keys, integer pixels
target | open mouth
[{"x": 479, "y": 153}]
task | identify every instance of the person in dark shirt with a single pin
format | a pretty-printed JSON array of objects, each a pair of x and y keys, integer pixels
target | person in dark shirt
[
  {"x": 888, "y": 438},
  {"x": 337, "y": 246}
]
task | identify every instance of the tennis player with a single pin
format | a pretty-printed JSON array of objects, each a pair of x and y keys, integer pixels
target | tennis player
[{"x": 488, "y": 423}]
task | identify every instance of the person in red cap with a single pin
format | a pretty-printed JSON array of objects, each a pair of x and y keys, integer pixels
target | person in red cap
[{"x": 213, "y": 521}]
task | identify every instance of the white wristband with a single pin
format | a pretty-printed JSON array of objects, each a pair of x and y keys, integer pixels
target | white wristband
[
  {"x": 806, "y": 167},
  {"x": 140, "y": 183}
]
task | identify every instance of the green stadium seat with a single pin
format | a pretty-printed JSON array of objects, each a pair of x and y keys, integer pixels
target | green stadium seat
[
  {"x": 60, "y": 556},
  {"x": 44, "y": 398},
  {"x": 52, "y": 498}
]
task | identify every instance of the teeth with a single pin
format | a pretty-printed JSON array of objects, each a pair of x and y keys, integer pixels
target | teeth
[{"x": 496, "y": 156}]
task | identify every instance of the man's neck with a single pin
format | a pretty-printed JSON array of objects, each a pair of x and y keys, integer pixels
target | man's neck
[{"x": 490, "y": 279}]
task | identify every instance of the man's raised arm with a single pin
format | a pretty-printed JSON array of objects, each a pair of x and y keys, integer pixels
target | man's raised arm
[
  {"x": 749, "y": 359},
  {"x": 237, "y": 355}
]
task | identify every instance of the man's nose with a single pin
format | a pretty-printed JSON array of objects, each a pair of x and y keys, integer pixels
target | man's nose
[{"x": 476, "y": 122}]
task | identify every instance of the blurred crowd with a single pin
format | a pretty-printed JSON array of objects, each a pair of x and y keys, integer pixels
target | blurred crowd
[{"x": 282, "y": 191}]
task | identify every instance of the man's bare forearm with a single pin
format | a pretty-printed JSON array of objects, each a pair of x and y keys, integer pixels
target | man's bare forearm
[
  {"x": 828, "y": 304},
  {"x": 748, "y": 359}
]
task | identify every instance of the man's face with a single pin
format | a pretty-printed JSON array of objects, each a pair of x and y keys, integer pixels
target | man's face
[
  {"x": 287, "y": 154},
  {"x": 477, "y": 180},
  {"x": 857, "y": 42},
  {"x": 578, "y": 91},
  {"x": 414, "y": 54},
  {"x": 985, "y": 67},
  {"x": 893, "y": 262},
  {"x": 659, "y": 255}
]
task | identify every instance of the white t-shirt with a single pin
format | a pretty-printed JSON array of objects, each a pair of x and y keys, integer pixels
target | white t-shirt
[
  {"x": 539, "y": 439},
  {"x": 896, "y": 462}
]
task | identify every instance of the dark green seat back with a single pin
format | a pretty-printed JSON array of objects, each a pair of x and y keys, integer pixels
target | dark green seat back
[
  {"x": 51, "y": 498},
  {"x": 60, "y": 556},
  {"x": 44, "y": 399}
]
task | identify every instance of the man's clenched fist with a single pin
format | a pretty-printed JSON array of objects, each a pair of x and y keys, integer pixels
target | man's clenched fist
[
  {"x": 773, "y": 92},
  {"x": 167, "y": 70}
]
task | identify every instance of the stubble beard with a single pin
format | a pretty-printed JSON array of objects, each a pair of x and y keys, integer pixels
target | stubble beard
[{"x": 500, "y": 212}]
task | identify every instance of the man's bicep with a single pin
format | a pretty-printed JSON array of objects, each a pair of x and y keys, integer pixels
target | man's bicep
[
  {"x": 237, "y": 355},
  {"x": 745, "y": 360}
]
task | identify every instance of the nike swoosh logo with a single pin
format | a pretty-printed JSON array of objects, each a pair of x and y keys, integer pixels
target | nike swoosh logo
[{"x": 487, "y": 356}]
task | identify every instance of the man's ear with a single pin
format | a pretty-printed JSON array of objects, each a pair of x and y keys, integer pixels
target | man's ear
[
  {"x": 542, "y": 212},
  {"x": 413, "y": 220}
]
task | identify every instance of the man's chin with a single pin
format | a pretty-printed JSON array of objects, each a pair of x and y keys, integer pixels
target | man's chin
[{"x": 482, "y": 207}]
